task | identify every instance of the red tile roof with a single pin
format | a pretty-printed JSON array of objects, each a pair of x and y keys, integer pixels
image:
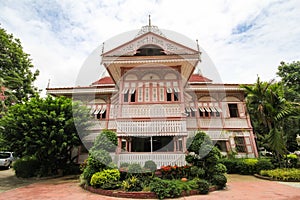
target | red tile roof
[
  {"x": 104, "y": 80},
  {"x": 195, "y": 78}
]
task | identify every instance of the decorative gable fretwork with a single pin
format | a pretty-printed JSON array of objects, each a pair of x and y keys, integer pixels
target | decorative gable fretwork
[{"x": 169, "y": 47}]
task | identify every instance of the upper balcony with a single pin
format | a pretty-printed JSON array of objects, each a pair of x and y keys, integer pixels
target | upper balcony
[{"x": 150, "y": 111}]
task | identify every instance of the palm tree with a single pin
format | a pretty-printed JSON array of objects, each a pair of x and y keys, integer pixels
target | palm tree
[{"x": 268, "y": 108}]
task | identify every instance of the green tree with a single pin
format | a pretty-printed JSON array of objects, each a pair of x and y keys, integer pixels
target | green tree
[
  {"x": 45, "y": 128},
  {"x": 290, "y": 79},
  {"x": 203, "y": 154},
  {"x": 106, "y": 140},
  {"x": 268, "y": 109},
  {"x": 17, "y": 75}
]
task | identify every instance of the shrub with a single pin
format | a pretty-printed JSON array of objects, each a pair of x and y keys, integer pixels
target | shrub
[
  {"x": 150, "y": 165},
  {"x": 232, "y": 165},
  {"x": 284, "y": 174},
  {"x": 291, "y": 160},
  {"x": 123, "y": 165},
  {"x": 197, "y": 172},
  {"x": 219, "y": 180},
  {"x": 134, "y": 168},
  {"x": 248, "y": 166},
  {"x": 165, "y": 188},
  {"x": 99, "y": 159},
  {"x": 27, "y": 167},
  {"x": 203, "y": 186},
  {"x": 220, "y": 169},
  {"x": 107, "y": 140},
  {"x": 87, "y": 173},
  {"x": 106, "y": 179},
  {"x": 263, "y": 164},
  {"x": 132, "y": 184}
]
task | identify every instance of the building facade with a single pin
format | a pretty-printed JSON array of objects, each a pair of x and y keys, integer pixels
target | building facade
[{"x": 154, "y": 100}]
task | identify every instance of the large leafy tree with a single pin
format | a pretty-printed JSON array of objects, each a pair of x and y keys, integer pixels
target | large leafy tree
[
  {"x": 268, "y": 109},
  {"x": 45, "y": 128},
  {"x": 290, "y": 79},
  {"x": 16, "y": 71}
]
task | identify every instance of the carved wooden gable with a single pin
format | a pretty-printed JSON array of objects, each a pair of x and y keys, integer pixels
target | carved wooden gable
[{"x": 150, "y": 38}]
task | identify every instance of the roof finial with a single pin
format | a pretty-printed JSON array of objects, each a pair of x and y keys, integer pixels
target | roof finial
[
  {"x": 198, "y": 49},
  {"x": 149, "y": 20},
  {"x": 102, "y": 47},
  {"x": 48, "y": 85}
]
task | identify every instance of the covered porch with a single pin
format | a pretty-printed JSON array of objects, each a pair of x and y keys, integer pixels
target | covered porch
[
  {"x": 163, "y": 150},
  {"x": 160, "y": 158}
]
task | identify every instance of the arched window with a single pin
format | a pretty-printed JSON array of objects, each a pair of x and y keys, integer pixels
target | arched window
[{"x": 150, "y": 50}]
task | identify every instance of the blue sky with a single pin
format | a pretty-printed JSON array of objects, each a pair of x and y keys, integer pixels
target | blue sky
[{"x": 242, "y": 38}]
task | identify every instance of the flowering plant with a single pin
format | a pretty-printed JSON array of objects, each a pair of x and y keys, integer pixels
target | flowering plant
[{"x": 171, "y": 172}]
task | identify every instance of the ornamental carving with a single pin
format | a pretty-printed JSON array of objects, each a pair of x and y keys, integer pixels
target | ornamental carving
[{"x": 169, "y": 47}]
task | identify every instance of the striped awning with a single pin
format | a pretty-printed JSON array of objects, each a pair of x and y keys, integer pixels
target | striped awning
[
  {"x": 193, "y": 108},
  {"x": 132, "y": 90},
  {"x": 188, "y": 109},
  {"x": 169, "y": 90},
  {"x": 176, "y": 89},
  {"x": 201, "y": 108},
  {"x": 125, "y": 90},
  {"x": 218, "y": 109},
  {"x": 212, "y": 109},
  {"x": 103, "y": 109},
  {"x": 97, "y": 110},
  {"x": 93, "y": 108},
  {"x": 207, "y": 109}
]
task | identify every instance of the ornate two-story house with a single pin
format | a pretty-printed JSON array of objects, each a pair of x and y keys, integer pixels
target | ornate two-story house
[{"x": 155, "y": 100}]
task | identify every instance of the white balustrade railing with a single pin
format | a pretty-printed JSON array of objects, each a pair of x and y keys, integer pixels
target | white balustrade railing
[
  {"x": 215, "y": 135},
  {"x": 191, "y": 123},
  {"x": 112, "y": 124},
  {"x": 151, "y": 110},
  {"x": 161, "y": 159},
  {"x": 236, "y": 123},
  {"x": 97, "y": 125},
  {"x": 211, "y": 123},
  {"x": 167, "y": 126}
]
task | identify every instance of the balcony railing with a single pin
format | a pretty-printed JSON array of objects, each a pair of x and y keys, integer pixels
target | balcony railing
[
  {"x": 210, "y": 123},
  {"x": 228, "y": 123},
  {"x": 153, "y": 110},
  {"x": 140, "y": 128},
  {"x": 161, "y": 159},
  {"x": 236, "y": 123}
]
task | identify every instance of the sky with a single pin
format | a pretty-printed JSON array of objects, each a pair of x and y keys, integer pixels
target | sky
[{"x": 243, "y": 38}]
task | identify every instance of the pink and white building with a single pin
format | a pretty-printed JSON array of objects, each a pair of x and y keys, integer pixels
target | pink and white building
[{"x": 155, "y": 100}]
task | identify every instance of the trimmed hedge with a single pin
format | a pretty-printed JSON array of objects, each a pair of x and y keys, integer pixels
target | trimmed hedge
[
  {"x": 246, "y": 166},
  {"x": 285, "y": 174},
  {"x": 27, "y": 167},
  {"x": 106, "y": 179}
]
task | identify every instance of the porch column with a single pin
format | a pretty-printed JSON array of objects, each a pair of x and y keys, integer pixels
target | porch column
[
  {"x": 129, "y": 144},
  {"x": 119, "y": 148},
  {"x": 184, "y": 144},
  {"x": 126, "y": 145},
  {"x": 175, "y": 143}
]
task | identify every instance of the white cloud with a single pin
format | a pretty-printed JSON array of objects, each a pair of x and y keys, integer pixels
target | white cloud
[{"x": 243, "y": 38}]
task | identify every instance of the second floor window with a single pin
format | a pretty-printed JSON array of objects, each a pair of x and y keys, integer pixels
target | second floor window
[{"x": 233, "y": 110}]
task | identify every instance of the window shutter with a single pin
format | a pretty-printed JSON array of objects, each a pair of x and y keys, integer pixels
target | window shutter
[{"x": 241, "y": 110}]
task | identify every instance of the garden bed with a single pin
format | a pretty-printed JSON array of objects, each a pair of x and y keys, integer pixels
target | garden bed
[{"x": 137, "y": 195}]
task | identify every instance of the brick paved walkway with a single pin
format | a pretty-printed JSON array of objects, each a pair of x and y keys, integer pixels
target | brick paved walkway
[{"x": 239, "y": 187}]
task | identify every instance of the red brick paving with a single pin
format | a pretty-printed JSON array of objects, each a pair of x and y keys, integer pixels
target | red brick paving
[{"x": 238, "y": 187}]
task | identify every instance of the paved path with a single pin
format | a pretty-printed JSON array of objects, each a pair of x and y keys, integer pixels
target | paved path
[{"x": 239, "y": 187}]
